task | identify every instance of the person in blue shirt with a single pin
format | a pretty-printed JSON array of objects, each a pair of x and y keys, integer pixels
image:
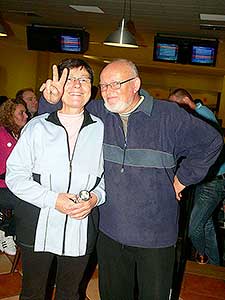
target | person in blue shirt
[{"x": 209, "y": 193}]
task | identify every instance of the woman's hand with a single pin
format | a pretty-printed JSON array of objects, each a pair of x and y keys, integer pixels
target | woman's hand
[
  {"x": 53, "y": 88},
  {"x": 83, "y": 208},
  {"x": 64, "y": 202}
]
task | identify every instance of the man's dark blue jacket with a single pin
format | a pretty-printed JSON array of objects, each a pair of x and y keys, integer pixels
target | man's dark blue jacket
[{"x": 141, "y": 208}]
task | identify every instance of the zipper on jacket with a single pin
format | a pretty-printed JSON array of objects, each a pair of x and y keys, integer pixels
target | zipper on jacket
[
  {"x": 124, "y": 145},
  {"x": 87, "y": 121},
  {"x": 70, "y": 176},
  {"x": 124, "y": 155},
  {"x": 70, "y": 173}
]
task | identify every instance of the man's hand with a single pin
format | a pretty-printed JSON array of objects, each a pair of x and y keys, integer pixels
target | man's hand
[
  {"x": 53, "y": 88},
  {"x": 178, "y": 187},
  {"x": 189, "y": 102}
]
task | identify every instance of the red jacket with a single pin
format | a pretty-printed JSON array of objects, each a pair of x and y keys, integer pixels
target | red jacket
[{"x": 7, "y": 143}]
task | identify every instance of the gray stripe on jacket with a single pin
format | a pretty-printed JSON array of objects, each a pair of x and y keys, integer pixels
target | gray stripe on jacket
[{"x": 138, "y": 157}]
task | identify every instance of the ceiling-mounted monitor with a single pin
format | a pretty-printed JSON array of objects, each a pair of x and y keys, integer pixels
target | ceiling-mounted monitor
[
  {"x": 185, "y": 50},
  {"x": 166, "y": 51},
  {"x": 70, "y": 43},
  {"x": 57, "y": 39},
  {"x": 204, "y": 53}
]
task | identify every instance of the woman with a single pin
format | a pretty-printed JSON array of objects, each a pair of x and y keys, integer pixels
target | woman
[
  {"x": 12, "y": 118},
  {"x": 56, "y": 163}
]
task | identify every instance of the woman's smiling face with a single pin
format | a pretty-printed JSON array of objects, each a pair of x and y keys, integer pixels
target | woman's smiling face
[{"x": 77, "y": 91}]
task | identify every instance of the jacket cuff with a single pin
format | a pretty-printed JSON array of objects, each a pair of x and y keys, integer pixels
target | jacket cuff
[{"x": 51, "y": 199}]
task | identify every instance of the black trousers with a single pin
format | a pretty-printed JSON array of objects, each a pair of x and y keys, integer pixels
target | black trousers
[
  {"x": 122, "y": 267},
  {"x": 36, "y": 267},
  {"x": 7, "y": 202}
]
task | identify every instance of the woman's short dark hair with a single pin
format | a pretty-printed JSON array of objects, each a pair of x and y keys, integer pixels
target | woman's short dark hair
[{"x": 76, "y": 63}]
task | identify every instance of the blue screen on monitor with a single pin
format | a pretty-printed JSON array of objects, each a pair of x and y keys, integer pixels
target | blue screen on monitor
[
  {"x": 203, "y": 55},
  {"x": 70, "y": 43},
  {"x": 167, "y": 52}
]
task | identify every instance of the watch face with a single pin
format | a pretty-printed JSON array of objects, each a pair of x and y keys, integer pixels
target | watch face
[{"x": 84, "y": 195}]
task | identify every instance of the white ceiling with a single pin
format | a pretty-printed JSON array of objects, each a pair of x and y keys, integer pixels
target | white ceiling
[{"x": 149, "y": 16}]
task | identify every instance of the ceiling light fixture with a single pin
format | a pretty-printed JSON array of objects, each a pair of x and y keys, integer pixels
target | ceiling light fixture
[
  {"x": 3, "y": 27},
  {"x": 87, "y": 8},
  {"x": 212, "y": 17},
  {"x": 2, "y": 31},
  {"x": 122, "y": 37}
]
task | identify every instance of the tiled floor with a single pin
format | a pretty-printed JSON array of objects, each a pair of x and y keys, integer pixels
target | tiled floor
[{"x": 200, "y": 282}]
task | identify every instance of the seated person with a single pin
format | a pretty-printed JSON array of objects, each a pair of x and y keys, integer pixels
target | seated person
[{"x": 12, "y": 118}]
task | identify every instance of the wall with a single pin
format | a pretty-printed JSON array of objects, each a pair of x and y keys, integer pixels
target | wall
[{"x": 17, "y": 69}]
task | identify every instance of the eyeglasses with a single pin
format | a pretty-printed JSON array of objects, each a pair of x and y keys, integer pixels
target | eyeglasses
[
  {"x": 115, "y": 85},
  {"x": 82, "y": 80}
]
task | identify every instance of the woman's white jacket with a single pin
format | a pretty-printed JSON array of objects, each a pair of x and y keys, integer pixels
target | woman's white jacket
[{"x": 40, "y": 167}]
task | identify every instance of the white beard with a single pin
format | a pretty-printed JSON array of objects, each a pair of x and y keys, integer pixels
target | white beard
[{"x": 118, "y": 107}]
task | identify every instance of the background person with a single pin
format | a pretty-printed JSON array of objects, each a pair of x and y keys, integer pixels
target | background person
[
  {"x": 12, "y": 118},
  {"x": 58, "y": 155},
  {"x": 208, "y": 193},
  {"x": 143, "y": 140},
  {"x": 28, "y": 95}
]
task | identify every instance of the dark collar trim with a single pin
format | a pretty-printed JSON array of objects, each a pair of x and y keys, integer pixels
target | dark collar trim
[{"x": 53, "y": 118}]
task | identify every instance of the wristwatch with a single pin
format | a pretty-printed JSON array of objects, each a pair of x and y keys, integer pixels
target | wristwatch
[{"x": 84, "y": 195}]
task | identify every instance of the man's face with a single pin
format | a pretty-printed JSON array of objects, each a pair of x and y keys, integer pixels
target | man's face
[
  {"x": 77, "y": 90},
  {"x": 119, "y": 100},
  {"x": 31, "y": 100}
]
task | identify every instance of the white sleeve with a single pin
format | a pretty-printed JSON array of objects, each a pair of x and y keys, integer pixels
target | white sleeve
[
  {"x": 19, "y": 177},
  {"x": 99, "y": 191}
]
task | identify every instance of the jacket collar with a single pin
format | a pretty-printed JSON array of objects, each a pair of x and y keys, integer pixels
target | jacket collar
[
  {"x": 146, "y": 105},
  {"x": 53, "y": 118}
]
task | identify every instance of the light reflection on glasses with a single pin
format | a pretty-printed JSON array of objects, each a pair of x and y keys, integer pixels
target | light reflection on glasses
[
  {"x": 82, "y": 80},
  {"x": 115, "y": 85}
]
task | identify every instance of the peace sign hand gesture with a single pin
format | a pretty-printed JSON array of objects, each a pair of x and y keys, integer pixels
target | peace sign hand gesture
[{"x": 53, "y": 88}]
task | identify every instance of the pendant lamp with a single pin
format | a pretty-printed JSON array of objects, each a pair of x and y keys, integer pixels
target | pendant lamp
[
  {"x": 2, "y": 31},
  {"x": 122, "y": 37}
]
